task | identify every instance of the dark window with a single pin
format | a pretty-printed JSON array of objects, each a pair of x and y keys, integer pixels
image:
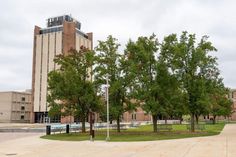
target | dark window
[
  {"x": 133, "y": 116},
  {"x": 22, "y": 117},
  {"x": 22, "y": 98},
  {"x": 50, "y": 30},
  {"x": 22, "y": 107}
]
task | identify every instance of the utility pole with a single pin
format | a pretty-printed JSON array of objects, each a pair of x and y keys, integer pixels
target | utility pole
[{"x": 107, "y": 99}]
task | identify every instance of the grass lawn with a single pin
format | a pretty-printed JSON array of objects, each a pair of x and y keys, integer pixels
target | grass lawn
[{"x": 142, "y": 133}]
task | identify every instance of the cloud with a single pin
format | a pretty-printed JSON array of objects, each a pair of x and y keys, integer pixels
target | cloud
[{"x": 120, "y": 18}]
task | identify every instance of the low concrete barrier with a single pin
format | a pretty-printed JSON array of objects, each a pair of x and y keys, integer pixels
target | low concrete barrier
[{"x": 22, "y": 129}]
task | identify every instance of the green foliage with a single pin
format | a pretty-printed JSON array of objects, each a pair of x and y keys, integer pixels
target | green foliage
[
  {"x": 112, "y": 64},
  {"x": 71, "y": 87},
  {"x": 154, "y": 85},
  {"x": 176, "y": 77},
  {"x": 195, "y": 68},
  {"x": 220, "y": 105}
]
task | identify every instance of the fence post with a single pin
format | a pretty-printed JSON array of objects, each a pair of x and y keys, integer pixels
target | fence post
[{"x": 67, "y": 128}]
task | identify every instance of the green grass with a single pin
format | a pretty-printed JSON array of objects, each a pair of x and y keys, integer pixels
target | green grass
[{"x": 142, "y": 133}]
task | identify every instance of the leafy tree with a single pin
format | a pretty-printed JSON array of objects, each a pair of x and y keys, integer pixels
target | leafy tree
[
  {"x": 55, "y": 110},
  {"x": 154, "y": 85},
  {"x": 142, "y": 64},
  {"x": 193, "y": 65},
  {"x": 71, "y": 87},
  {"x": 111, "y": 63},
  {"x": 220, "y": 105}
]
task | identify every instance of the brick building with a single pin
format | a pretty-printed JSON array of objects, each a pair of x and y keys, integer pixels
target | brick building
[
  {"x": 61, "y": 34},
  {"x": 232, "y": 95},
  {"x": 136, "y": 116}
]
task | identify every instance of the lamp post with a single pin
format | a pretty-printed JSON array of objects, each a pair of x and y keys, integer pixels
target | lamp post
[{"x": 107, "y": 99}]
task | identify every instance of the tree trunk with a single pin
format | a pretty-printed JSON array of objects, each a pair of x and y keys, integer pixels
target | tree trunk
[
  {"x": 214, "y": 119},
  {"x": 165, "y": 120},
  {"x": 90, "y": 123},
  {"x": 118, "y": 124},
  {"x": 197, "y": 117},
  {"x": 192, "y": 127},
  {"x": 154, "y": 119},
  {"x": 83, "y": 124}
]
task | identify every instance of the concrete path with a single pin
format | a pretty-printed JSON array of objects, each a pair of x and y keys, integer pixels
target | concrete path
[
  {"x": 222, "y": 145},
  {"x": 6, "y": 136}
]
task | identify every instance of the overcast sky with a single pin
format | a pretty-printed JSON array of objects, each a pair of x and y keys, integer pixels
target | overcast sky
[{"x": 123, "y": 19}]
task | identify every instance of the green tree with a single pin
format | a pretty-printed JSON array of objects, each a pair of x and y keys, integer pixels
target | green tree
[
  {"x": 154, "y": 85},
  {"x": 112, "y": 64},
  {"x": 193, "y": 65},
  {"x": 220, "y": 105},
  {"x": 142, "y": 62},
  {"x": 55, "y": 110},
  {"x": 71, "y": 86}
]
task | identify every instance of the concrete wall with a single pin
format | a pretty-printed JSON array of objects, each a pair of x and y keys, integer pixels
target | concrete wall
[
  {"x": 5, "y": 106},
  {"x": 21, "y": 107},
  {"x": 47, "y": 47},
  {"x": 82, "y": 41},
  {"x": 15, "y": 107}
]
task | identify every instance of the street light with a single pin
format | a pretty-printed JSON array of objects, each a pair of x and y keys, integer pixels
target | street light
[{"x": 107, "y": 99}]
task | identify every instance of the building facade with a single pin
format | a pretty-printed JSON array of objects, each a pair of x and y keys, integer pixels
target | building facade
[
  {"x": 15, "y": 107},
  {"x": 136, "y": 116},
  {"x": 62, "y": 34},
  {"x": 232, "y": 95}
]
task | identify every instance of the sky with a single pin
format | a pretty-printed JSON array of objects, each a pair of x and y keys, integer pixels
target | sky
[{"x": 123, "y": 19}]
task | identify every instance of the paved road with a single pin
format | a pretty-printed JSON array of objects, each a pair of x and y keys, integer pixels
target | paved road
[{"x": 222, "y": 145}]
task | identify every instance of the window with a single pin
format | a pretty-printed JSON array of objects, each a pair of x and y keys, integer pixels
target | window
[
  {"x": 133, "y": 116},
  {"x": 234, "y": 94},
  {"x": 22, "y": 107},
  {"x": 22, "y": 117},
  {"x": 22, "y": 98}
]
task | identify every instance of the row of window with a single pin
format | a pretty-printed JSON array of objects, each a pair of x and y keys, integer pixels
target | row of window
[
  {"x": 82, "y": 34},
  {"x": 133, "y": 116},
  {"x": 58, "y": 29},
  {"x": 50, "y": 30}
]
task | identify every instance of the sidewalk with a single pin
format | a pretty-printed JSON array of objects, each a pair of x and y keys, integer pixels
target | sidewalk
[{"x": 222, "y": 145}]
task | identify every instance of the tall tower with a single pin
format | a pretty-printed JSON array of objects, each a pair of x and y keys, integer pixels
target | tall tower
[{"x": 61, "y": 34}]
